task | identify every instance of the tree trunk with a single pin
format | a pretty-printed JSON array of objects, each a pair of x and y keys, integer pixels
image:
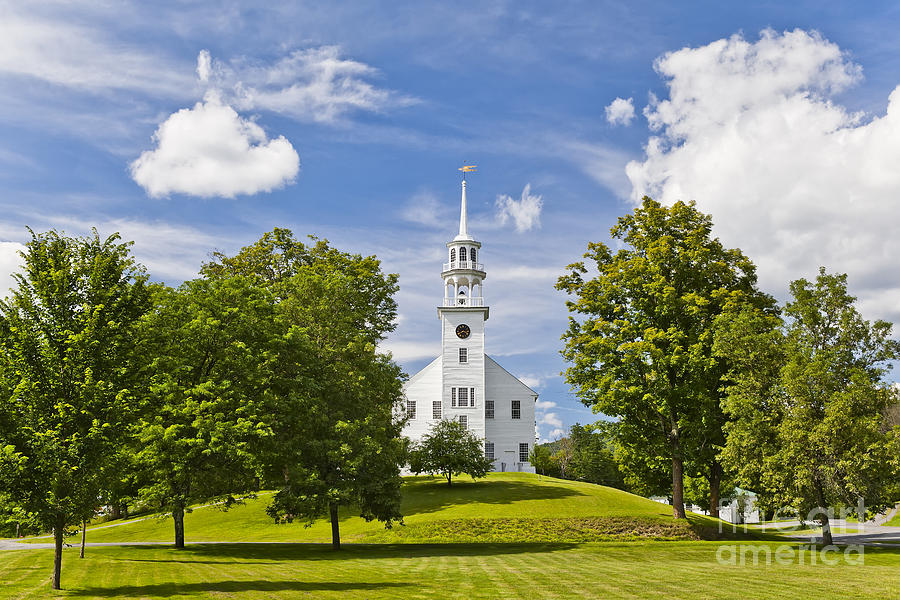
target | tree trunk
[
  {"x": 58, "y": 530},
  {"x": 715, "y": 481},
  {"x": 823, "y": 516},
  {"x": 83, "y": 535},
  {"x": 178, "y": 517},
  {"x": 335, "y": 526},
  {"x": 678, "y": 488},
  {"x": 449, "y": 478}
]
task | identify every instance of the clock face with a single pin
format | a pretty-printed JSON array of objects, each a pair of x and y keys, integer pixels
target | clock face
[{"x": 463, "y": 331}]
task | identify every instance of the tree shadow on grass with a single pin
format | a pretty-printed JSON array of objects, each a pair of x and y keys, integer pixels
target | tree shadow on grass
[
  {"x": 435, "y": 495},
  {"x": 274, "y": 553},
  {"x": 178, "y": 589}
]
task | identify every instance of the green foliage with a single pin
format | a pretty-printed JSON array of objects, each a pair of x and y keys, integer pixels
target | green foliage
[
  {"x": 67, "y": 346},
  {"x": 809, "y": 401},
  {"x": 213, "y": 347},
  {"x": 334, "y": 439},
  {"x": 587, "y": 454},
  {"x": 450, "y": 449},
  {"x": 640, "y": 340}
]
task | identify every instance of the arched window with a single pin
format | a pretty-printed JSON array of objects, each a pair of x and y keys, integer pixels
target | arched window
[
  {"x": 453, "y": 255},
  {"x": 462, "y": 254},
  {"x": 472, "y": 255}
]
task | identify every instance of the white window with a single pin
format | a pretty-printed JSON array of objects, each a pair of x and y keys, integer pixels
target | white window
[
  {"x": 453, "y": 397},
  {"x": 436, "y": 407},
  {"x": 462, "y": 255},
  {"x": 411, "y": 409},
  {"x": 463, "y": 394},
  {"x": 472, "y": 397},
  {"x": 489, "y": 450},
  {"x": 516, "y": 409},
  {"x": 452, "y": 255},
  {"x": 464, "y": 421},
  {"x": 472, "y": 255},
  {"x": 463, "y": 355},
  {"x": 488, "y": 409},
  {"x": 523, "y": 452}
]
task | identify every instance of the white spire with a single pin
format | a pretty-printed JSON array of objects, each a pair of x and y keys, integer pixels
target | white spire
[{"x": 463, "y": 225}]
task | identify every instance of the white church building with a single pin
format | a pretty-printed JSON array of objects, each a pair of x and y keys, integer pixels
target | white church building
[{"x": 463, "y": 383}]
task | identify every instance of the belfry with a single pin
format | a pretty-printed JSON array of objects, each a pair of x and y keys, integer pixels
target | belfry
[{"x": 464, "y": 383}]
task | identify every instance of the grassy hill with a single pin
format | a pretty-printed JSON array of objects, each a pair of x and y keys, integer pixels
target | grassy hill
[{"x": 504, "y": 507}]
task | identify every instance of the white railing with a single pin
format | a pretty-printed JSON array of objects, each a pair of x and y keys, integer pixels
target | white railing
[
  {"x": 463, "y": 301},
  {"x": 464, "y": 264}
]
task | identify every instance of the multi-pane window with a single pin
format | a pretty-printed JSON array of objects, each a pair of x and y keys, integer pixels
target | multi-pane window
[
  {"x": 462, "y": 255},
  {"x": 464, "y": 421},
  {"x": 489, "y": 450},
  {"x": 436, "y": 409},
  {"x": 463, "y": 355},
  {"x": 488, "y": 409},
  {"x": 472, "y": 255},
  {"x": 463, "y": 397},
  {"x": 411, "y": 409},
  {"x": 452, "y": 255},
  {"x": 516, "y": 409},
  {"x": 523, "y": 452}
]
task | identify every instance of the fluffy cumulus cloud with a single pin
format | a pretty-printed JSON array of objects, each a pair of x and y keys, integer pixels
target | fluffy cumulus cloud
[
  {"x": 752, "y": 132},
  {"x": 424, "y": 209},
  {"x": 210, "y": 150},
  {"x": 525, "y": 213},
  {"x": 620, "y": 111}
]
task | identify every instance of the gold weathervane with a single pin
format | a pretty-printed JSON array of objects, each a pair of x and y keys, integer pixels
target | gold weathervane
[{"x": 467, "y": 169}]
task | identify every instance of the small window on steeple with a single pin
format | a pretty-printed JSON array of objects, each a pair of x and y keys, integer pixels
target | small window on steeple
[
  {"x": 472, "y": 255},
  {"x": 453, "y": 255},
  {"x": 462, "y": 254}
]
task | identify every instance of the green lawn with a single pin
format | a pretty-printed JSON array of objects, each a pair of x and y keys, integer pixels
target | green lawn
[
  {"x": 894, "y": 522},
  {"x": 509, "y": 500},
  {"x": 513, "y": 516},
  {"x": 670, "y": 570}
]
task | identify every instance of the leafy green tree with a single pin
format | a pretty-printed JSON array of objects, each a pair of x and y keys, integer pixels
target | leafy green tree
[
  {"x": 336, "y": 441},
  {"x": 808, "y": 398},
  {"x": 450, "y": 449},
  {"x": 67, "y": 341},
  {"x": 211, "y": 353},
  {"x": 640, "y": 338},
  {"x": 593, "y": 457},
  {"x": 542, "y": 460}
]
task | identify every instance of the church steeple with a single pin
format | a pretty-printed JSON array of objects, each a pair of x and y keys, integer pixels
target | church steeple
[
  {"x": 463, "y": 275},
  {"x": 463, "y": 217}
]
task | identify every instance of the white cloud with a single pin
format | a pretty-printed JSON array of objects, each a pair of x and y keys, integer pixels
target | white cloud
[
  {"x": 66, "y": 54},
  {"x": 209, "y": 150},
  {"x": 620, "y": 111},
  {"x": 424, "y": 209},
  {"x": 551, "y": 419},
  {"x": 314, "y": 84},
  {"x": 10, "y": 261},
  {"x": 525, "y": 213},
  {"x": 531, "y": 381},
  {"x": 544, "y": 405},
  {"x": 204, "y": 65},
  {"x": 556, "y": 434},
  {"x": 752, "y": 132}
]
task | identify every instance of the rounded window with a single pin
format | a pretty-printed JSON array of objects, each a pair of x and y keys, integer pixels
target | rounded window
[{"x": 462, "y": 255}]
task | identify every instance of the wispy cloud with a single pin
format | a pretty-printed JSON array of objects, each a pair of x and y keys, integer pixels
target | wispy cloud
[
  {"x": 311, "y": 84},
  {"x": 524, "y": 213}
]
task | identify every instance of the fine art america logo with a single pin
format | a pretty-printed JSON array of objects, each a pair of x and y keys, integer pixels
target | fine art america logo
[{"x": 787, "y": 521}]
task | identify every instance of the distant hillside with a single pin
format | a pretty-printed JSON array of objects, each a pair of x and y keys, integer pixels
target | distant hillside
[{"x": 504, "y": 507}]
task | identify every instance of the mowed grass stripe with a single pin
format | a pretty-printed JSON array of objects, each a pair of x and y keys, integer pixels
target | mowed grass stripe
[{"x": 651, "y": 570}]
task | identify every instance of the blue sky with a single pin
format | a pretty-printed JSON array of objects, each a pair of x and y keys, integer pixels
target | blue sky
[{"x": 191, "y": 126}]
